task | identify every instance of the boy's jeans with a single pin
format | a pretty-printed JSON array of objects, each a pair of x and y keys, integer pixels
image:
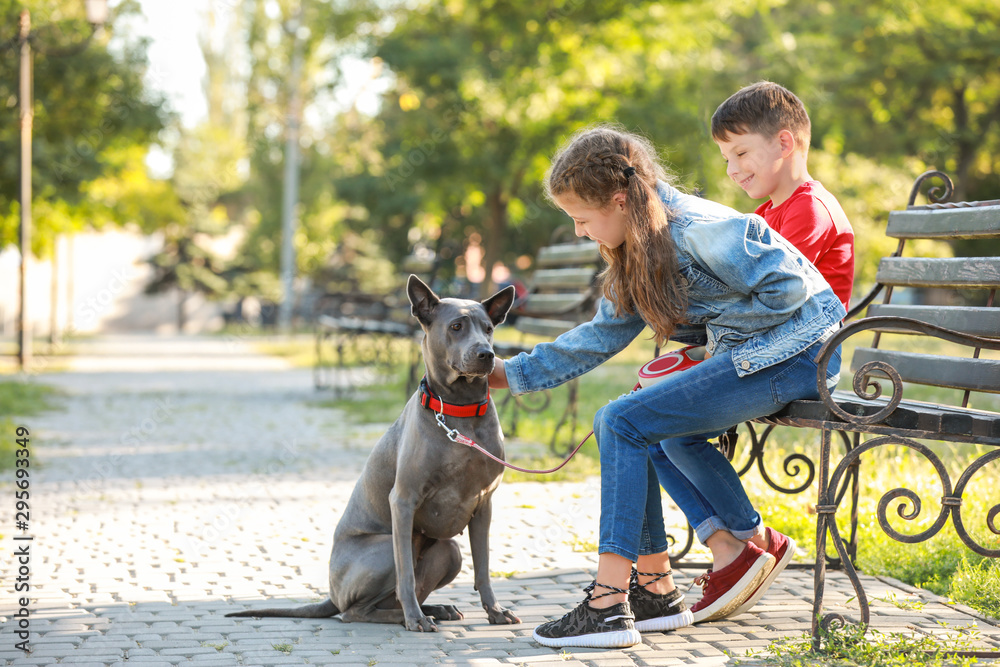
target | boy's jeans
[{"x": 667, "y": 426}]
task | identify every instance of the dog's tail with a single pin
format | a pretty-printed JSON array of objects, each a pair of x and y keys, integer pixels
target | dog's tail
[{"x": 324, "y": 609}]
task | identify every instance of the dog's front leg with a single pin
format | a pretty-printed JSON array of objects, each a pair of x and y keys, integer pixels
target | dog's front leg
[
  {"x": 403, "y": 507},
  {"x": 479, "y": 541}
]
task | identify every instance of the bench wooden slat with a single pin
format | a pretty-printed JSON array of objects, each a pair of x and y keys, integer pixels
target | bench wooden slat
[
  {"x": 920, "y": 420},
  {"x": 935, "y": 370},
  {"x": 563, "y": 278},
  {"x": 544, "y": 327},
  {"x": 569, "y": 254},
  {"x": 975, "y": 321},
  {"x": 559, "y": 302},
  {"x": 956, "y": 223},
  {"x": 981, "y": 272}
]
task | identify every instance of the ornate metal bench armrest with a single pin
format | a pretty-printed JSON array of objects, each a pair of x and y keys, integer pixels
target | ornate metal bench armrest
[{"x": 866, "y": 388}]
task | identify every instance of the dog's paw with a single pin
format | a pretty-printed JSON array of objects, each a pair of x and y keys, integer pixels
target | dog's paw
[
  {"x": 420, "y": 624},
  {"x": 442, "y": 612},
  {"x": 500, "y": 616}
]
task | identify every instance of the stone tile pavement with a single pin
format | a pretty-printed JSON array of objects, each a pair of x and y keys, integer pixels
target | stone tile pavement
[{"x": 185, "y": 478}]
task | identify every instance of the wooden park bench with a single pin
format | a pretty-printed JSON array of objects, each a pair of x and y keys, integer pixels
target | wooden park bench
[
  {"x": 950, "y": 304},
  {"x": 563, "y": 294}
]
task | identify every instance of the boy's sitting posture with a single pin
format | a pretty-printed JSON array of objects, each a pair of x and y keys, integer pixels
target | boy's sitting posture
[{"x": 763, "y": 131}]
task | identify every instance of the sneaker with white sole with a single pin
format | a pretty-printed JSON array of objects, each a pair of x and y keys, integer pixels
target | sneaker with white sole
[
  {"x": 782, "y": 548},
  {"x": 613, "y": 627},
  {"x": 726, "y": 590},
  {"x": 655, "y": 612}
]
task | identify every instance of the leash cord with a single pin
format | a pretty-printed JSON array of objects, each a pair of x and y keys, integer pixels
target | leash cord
[{"x": 455, "y": 435}]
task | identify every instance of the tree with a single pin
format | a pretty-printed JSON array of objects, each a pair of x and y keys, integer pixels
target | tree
[
  {"x": 209, "y": 171},
  {"x": 484, "y": 92},
  {"x": 918, "y": 79},
  {"x": 90, "y": 110},
  {"x": 328, "y": 33}
]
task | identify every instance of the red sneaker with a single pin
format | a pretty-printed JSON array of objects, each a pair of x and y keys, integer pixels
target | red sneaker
[
  {"x": 730, "y": 587},
  {"x": 782, "y": 548}
]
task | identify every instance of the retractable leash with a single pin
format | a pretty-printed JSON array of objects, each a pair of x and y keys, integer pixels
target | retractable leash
[{"x": 649, "y": 374}]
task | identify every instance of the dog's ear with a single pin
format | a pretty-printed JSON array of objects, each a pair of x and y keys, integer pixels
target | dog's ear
[
  {"x": 422, "y": 298},
  {"x": 497, "y": 305}
]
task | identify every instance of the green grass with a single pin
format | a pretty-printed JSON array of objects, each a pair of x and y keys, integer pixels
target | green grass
[
  {"x": 978, "y": 585},
  {"x": 300, "y": 350},
  {"x": 19, "y": 399},
  {"x": 851, "y": 646},
  {"x": 379, "y": 403},
  {"x": 24, "y": 398}
]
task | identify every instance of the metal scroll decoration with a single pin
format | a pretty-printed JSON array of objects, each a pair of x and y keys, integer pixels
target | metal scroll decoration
[
  {"x": 935, "y": 195},
  {"x": 956, "y": 507},
  {"x": 909, "y": 510},
  {"x": 688, "y": 544},
  {"x": 864, "y": 385},
  {"x": 910, "y": 506},
  {"x": 793, "y": 464}
]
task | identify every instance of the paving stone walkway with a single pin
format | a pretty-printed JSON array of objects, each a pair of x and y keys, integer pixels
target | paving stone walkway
[{"x": 183, "y": 478}]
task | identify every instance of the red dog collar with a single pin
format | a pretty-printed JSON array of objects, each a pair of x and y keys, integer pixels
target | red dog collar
[{"x": 432, "y": 402}]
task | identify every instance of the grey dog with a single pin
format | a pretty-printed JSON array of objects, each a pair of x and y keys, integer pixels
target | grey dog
[{"x": 393, "y": 545}]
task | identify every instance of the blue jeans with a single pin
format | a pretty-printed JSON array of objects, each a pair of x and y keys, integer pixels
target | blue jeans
[{"x": 663, "y": 431}]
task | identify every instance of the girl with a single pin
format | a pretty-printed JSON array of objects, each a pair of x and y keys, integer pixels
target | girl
[{"x": 697, "y": 272}]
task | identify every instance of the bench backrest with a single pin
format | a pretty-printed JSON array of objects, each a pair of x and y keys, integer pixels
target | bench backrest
[
  {"x": 563, "y": 290},
  {"x": 956, "y": 293}
]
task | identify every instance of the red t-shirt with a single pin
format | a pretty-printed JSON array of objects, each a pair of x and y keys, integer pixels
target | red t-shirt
[{"x": 813, "y": 221}]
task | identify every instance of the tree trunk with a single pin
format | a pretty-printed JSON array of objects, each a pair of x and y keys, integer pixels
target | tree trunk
[
  {"x": 181, "y": 318},
  {"x": 54, "y": 297},
  {"x": 494, "y": 242},
  {"x": 965, "y": 153}
]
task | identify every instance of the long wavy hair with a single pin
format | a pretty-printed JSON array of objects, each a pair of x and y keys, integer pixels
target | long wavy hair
[{"x": 642, "y": 274}]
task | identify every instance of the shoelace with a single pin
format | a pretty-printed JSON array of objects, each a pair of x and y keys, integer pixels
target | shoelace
[
  {"x": 589, "y": 590},
  {"x": 634, "y": 578},
  {"x": 702, "y": 580}
]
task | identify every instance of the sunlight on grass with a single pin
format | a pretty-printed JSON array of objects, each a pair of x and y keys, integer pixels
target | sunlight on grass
[{"x": 853, "y": 646}]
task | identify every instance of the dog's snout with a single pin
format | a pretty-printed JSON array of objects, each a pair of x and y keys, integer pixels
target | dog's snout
[{"x": 485, "y": 355}]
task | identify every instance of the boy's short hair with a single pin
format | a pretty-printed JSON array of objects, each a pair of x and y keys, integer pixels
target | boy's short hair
[{"x": 763, "y": 108}]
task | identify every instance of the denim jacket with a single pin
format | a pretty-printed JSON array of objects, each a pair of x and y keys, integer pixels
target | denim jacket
[{"x": 749, "y": 291}]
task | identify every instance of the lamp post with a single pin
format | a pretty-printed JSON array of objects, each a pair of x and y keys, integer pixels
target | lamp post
[
  {"x": 290, "y": 192},
  {"x": 97, "y": 15}
]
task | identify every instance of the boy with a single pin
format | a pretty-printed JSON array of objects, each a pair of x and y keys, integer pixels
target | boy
[{"x": 763, "y": 131}]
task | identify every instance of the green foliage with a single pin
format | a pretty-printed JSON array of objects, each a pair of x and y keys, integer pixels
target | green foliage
[
  {"x": 89, "y": 108},
  {"x": 851, "y": 645},
  {"x": 483, "y": 94},
  {"x": 912, "y": 78},
  {"x": 332, "y": 36}
]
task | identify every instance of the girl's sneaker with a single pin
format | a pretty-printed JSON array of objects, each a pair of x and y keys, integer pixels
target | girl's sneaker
[
  {"x": 585, "y": 626},
  {"x": 726, "y": 590},
  {"x": 654, "y": 612},
  {"x": 782, "y": 548}
]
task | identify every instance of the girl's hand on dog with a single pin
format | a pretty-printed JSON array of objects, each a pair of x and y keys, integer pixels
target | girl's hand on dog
[{"x": 498, "y": 378}]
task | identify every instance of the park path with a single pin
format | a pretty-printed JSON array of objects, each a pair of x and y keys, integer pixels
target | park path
[{"x": 182, "y": 478}]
